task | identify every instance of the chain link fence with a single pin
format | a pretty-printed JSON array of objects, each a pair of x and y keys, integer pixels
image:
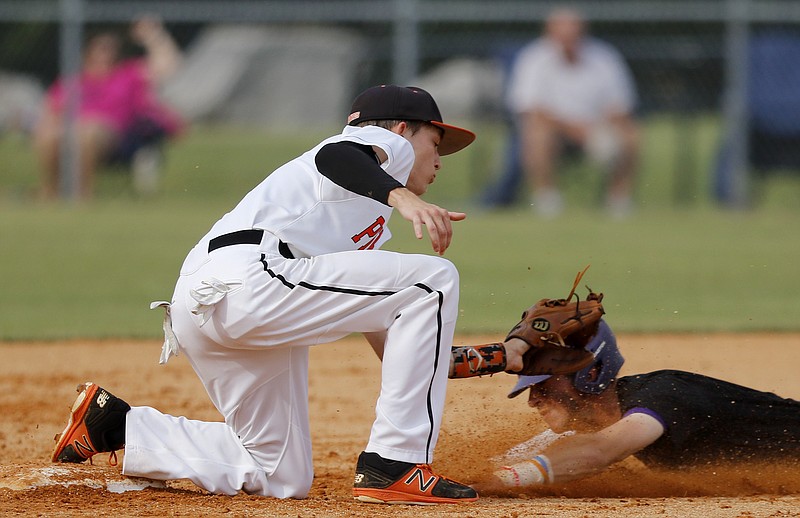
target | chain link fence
[{"x": 280, "y": 63}]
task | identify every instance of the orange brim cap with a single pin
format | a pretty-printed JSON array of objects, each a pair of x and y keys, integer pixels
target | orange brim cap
[{"x": 454, "y": 138}]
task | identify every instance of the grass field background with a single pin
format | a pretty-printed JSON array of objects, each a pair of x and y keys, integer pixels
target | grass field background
[{"x": 680, "y": 264}]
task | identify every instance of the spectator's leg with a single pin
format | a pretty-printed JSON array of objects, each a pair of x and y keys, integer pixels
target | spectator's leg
[
  {"x": 145, "y": 169},
  {"x": 623, "y": 174},
  {"x": 47, "y": 144},
  {"x": 540, "y": 152},
  {"x": 96, "y": 141},
  {"x": 504, "y": 191}
]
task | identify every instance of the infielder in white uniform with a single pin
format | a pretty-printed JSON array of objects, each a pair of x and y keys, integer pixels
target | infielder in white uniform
[{"x": 297, "y": 263}]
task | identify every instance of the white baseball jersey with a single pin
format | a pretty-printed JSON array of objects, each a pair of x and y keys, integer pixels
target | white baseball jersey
[
  {"x": 245, "y": 315},
  {"x": 313, "y": 214},
  {"x": 596, "y": 85}
]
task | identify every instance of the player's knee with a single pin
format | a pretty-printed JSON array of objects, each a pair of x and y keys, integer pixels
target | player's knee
[
  {"x": 446, "y": 273},
  {"x": 295, "y": 484},
  {"x": 445, "y": 280},
  {"x": 301, "y": 486}
]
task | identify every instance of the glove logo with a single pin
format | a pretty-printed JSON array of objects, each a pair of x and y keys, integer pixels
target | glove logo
[{"x": 540, "y": 324}]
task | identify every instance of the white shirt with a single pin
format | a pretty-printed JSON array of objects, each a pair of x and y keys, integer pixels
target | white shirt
[
  {"x": 596, "y": 85},
  {"x": 311, "y": 213}
]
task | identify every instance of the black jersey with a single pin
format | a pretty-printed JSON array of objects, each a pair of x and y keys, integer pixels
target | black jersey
[{"x": 709, "y": 420}]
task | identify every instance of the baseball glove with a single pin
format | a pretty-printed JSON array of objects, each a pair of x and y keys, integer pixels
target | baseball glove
[{"x": 558, "y": 331}]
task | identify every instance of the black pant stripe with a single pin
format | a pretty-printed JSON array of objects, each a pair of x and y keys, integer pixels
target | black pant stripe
[
  {"x": 435, "y": 363},
  {"x": 309, "y": 286},
  {"x": 275, "y": 275},
  {"x": 345, "y": 290}
]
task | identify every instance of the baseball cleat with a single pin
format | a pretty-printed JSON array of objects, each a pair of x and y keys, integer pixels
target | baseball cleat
[
  {"x": 96, "y": 425},
  {"x": 383, "y": 481}
]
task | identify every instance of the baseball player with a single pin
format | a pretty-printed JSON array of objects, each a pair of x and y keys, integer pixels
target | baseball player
[
  {"x": 667, "y": 419},
  {"x": 295, "y": 264}
]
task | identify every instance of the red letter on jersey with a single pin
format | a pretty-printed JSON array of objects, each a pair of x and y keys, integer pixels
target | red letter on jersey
[{"x": 373, "y": 232}]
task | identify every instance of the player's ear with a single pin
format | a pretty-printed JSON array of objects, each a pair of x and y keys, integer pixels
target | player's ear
[{"x": 399, "y": 128}]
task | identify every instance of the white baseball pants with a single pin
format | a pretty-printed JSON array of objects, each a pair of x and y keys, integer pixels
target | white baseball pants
[{"x": 245, "y": 316}]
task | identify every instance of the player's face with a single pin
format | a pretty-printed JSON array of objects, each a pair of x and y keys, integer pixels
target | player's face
[
  {"x": 559, "y": 403},
  {"x": 427, "y": 161}
]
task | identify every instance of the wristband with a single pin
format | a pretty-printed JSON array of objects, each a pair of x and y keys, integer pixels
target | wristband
[{"x": 535, "y": 471}]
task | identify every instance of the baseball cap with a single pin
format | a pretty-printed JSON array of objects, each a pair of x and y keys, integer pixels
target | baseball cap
[
  {"x": 409, "y": 103},
  {"x": 607, "y": 357}
]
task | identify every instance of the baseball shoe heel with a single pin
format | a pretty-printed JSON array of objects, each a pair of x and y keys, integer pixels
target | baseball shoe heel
[
  {"x": 383, "y": 481},
  {"x": 96, "y": 425}
]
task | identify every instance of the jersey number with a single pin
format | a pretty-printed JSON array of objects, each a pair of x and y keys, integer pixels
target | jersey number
[{"x": 372, "y": 233}]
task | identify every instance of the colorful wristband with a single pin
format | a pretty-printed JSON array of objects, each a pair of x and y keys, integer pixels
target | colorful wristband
[
  {"x": 535, "y": 471},
  {"x": 546, "y": 466}
]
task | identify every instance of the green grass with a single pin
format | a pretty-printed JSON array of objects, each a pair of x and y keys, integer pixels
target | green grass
[
  {"x": 91, "y": 270},
  {"x": 663, "y": 271}
]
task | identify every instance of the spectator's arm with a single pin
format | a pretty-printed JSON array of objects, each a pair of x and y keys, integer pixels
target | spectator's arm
[{"x": 163, "y": 55}]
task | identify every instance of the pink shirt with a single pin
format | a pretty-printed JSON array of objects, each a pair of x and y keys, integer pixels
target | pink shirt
[{"x": 118, "y": 99}]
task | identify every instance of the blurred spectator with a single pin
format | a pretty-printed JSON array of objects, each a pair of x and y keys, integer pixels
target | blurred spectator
[
  {"x": 569, "y": 92},
  {"x": 772, "y": 113},
  {"x": 119, "y": 111},
  {"x": 20, "y": 99}
]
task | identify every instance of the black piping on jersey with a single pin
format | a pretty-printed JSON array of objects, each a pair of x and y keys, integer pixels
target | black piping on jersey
[
  {"x": 384, "y": 293},
  {"x": 355, "y": 167}
]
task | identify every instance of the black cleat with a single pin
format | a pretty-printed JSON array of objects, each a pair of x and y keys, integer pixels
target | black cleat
[
  {"x": 384, "y": 481},
  {"x": 96, "y": 425}
]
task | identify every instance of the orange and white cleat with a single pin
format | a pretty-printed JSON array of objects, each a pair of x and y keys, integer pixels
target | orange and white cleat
[
  {"x": 384, "y": 481},
  {"x": 96, "y": 425}
]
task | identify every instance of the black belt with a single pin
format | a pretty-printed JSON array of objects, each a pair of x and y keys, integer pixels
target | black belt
[{"x": 252, "y": 236}]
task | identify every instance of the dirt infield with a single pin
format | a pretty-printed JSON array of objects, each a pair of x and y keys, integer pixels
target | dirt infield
[{"x": 38, "y": 383}]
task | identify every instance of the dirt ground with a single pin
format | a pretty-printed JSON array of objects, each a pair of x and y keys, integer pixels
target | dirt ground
[{"x": 38, "y": 386}]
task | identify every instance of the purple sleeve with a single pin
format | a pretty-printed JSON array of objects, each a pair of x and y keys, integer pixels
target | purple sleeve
[{"x": 646, "y": 411}]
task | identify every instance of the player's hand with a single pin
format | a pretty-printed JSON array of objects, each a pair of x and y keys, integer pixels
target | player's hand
[
  {"x": 515, "y": 349},
  {"x": 419, "y": 212}
]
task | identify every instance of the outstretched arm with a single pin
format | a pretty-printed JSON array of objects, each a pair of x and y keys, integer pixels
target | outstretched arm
[
  {"x": 551, "y": 338},
  {"x": 467, "y": 361},
  {"x": 356, "y": 168},
  {"x": 580, "y": 455}
]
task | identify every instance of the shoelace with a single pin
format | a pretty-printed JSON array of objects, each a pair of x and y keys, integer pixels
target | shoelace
[{"x": 112, "y": 459}]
